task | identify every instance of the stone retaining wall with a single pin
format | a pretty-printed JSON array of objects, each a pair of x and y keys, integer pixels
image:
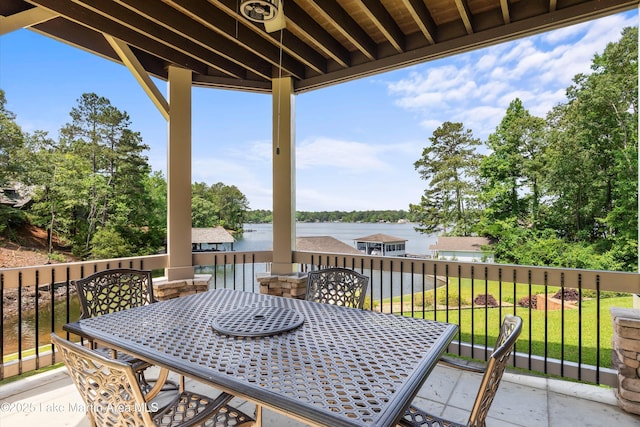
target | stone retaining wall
[{"x": 626, "y": 356}]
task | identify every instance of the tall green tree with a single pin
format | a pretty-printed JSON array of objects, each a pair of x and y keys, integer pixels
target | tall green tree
[
  {"x": 12, "y": 165},
  {"x": 95, "y": 178},
  {"x": 232, "y": 205},
  {"x": 593, "y": 177},
  {"x": 449, "y": 165},
  {"x": 101, "y": 135},
  {"x": 11, "y": 142},
  {"x": 512, "y": 171},
  {"x": 204, "y": 211},
  {"x": 219, "y": 204}
]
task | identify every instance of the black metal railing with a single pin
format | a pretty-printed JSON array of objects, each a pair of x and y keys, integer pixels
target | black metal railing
[
  {"x": 568, "y": 336},
  {"x": 39, "y": 300},
  {"x": 563, "y": 337}
]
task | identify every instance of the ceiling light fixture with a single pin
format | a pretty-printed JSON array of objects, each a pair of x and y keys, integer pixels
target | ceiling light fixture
[
  {"x": 259, "y": 10},
  {"x": 267, "y": 12}
]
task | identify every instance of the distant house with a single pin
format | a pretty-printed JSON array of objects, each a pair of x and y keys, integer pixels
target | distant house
[
  {"x": 16, "y": 196},
  {"x": 381, "y": 244},
  {"x": 211, "y": 239},
  {"x": 324, "y": 244},
  {"x": 462, "y": 249}
]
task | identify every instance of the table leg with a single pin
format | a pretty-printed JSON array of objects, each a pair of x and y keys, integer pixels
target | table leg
[{"x": 258, "y": 416}]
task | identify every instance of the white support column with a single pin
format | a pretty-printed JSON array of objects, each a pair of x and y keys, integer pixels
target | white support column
[
  {"x": 284, "y": 169},
  {"x": 179, "y": 176}
]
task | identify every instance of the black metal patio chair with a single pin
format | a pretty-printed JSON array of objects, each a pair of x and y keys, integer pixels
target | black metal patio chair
[
  {"x": 492, "y": 374},
  {"x": 337, "y": 285},
  {"x": 113, "y": 290},
  {"x": 110, "y": 390}
]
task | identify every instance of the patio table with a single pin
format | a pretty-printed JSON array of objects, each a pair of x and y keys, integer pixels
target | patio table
[{"x": 319, "y": 363}]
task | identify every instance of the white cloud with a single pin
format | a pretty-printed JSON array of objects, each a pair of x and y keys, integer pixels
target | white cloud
[
  {"x": 477, "y": 87},
  {"x": 564, "y": 34},
  {"x": 337, "y": 154},
  {"x": 249, "y": 170},
  {"x": 486, "y": 62}
]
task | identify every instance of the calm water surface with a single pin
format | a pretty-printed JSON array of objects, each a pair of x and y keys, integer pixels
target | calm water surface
[{"x": 259, "y": 237}]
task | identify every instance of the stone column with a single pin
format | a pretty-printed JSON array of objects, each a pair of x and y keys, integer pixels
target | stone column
[
  {"x": 164, "y": 289},
  {"x": 284, "y": 285},
  {"x": 626, "y": 356}
]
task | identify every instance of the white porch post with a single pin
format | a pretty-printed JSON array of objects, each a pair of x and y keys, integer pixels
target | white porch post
[
  {"x": 179, "y": 176},
  {"x": 284, "y": 169}
]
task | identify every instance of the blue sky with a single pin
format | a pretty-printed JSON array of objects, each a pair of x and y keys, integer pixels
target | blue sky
[{"x": 355, "y": 143}]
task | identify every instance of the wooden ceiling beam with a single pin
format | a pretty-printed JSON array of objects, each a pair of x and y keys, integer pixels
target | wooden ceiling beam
[
  {"x": 301, "y": 22},
  {"x": 25, "y": 19},
  {"x": 506, "y": 16},
  {"x": 193, "y": 22},
  {"x": 381, "y": 18},
  {"x": 140, "y": 74},
  {"x": 345, "y": 25},
  {"x": 149, "y": 26},
  {"x": 465, "y": 15},
  {"x": 422, "y": 18},
  {"x": 291, "y": 45},
  {"x": 190, "y": 59}
]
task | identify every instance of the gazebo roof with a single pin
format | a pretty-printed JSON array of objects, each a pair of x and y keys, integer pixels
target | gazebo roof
[
  {"x": 323, "y": 42},
  {"x": 211, "y": 235},
  {"x": 380, "y": 238}
]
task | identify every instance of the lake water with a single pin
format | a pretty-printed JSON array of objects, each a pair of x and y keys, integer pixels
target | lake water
[{"x": 259, "y": 237}]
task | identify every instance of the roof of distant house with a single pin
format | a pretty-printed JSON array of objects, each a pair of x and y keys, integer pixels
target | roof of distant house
[
  {"x": 324, "y": 244},
  {"x": 381, "y": 238},
  {"x": 16, "y": 195},
  {"x": 211, "y": 235},
  {"x": 467, "y": 244}
]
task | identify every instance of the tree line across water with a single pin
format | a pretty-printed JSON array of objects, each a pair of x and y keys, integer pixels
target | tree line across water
[
  {"x": 265, "y": 216},
  {"x": 556, "y": 191}
]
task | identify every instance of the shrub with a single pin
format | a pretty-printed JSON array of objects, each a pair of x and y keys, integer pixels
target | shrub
[
  {"x": 488, "y": 300},
  {"x": 423, "y": 299},
  {"x": 451, "y": 300},
  {"x": 569, "y": 294},
  {"x": 528, "y": 302}
]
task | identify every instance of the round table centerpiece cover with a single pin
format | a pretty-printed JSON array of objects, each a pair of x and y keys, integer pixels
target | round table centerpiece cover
[{"x": 257, "y": 321}]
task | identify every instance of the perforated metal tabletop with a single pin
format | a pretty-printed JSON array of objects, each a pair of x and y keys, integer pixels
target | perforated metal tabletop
[{"x": 337, "y": 367}]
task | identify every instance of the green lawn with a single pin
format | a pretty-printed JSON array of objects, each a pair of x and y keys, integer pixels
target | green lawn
[{"x": 577, "y": 342}]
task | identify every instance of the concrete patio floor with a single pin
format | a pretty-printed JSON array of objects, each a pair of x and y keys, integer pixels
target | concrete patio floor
[{"x": 51, "y": 399}]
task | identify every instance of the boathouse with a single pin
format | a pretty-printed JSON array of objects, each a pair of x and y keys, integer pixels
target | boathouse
[
  {"x": 472, "y": 249},
  {"x": 381, "y": 244},
  {"x": 211, "y": 239}
]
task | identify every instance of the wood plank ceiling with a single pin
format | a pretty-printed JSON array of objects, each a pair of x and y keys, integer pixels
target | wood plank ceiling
[{"x": 324, "y": 42}]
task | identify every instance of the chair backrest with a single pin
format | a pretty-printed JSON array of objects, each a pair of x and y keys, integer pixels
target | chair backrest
[
  {"x": 112, "y": 290},
  {"x": 108, "y": 387},
  {"x": 509, "y": 332},
  {"x": 339, "y": 286}
]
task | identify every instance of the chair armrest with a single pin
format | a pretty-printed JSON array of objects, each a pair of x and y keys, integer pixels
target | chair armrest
[{"x": 466, "y": 365}]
